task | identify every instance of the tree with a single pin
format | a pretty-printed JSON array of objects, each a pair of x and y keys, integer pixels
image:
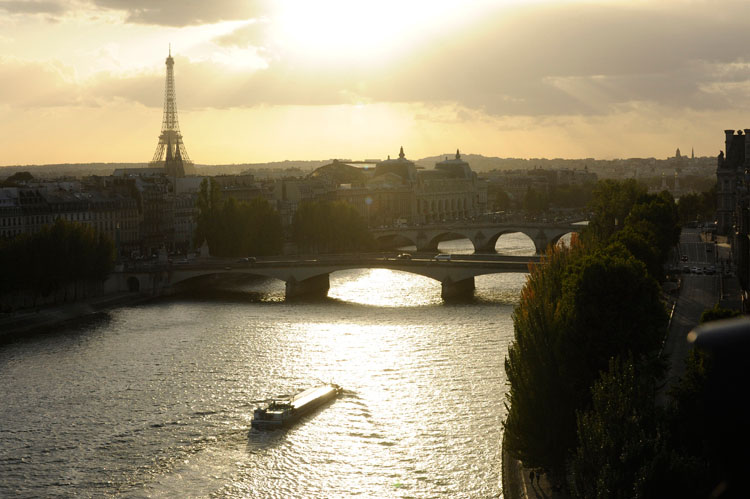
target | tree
[
  {"x": 660, "y": 213},
  {"x": 330, "y": 226},
  {"x": 535, "y": 202},
  {"x": 234, "y": 228},
  {"x": 60, "y": 255},
  {"x": 697, "y": 206},
  {"x": 16, "y": 179},
  {"x": 536, "y": 388},
  {"x": 208, "y": 203},
  {"x": 617, "y": 437},
  {"x": 501, "y": 199},
  {"x": 611, "y": 202},
  {"x": 637, "y": 238},
  {"x": 571, "y": 196},
  {"x": 718, "y": 313},
  {"x": 576, "y": 312}
]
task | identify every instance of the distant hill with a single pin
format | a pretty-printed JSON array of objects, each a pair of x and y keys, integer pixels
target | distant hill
[
  {"x": 297, "y": 168},
  {"x": 105, "y": 169}
]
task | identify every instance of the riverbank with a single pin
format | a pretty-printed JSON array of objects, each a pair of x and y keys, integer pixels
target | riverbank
[{"x": 30, "y": 320}]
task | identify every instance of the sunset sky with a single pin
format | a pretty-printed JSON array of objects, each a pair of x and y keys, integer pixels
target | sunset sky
[{"x": 257, "y": 81}]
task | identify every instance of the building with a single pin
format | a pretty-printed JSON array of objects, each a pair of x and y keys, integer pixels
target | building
[
  {"x": 731, "y": 166},
  {"x": 106, "y": 211},
  {"x": 397, "y": 192}
]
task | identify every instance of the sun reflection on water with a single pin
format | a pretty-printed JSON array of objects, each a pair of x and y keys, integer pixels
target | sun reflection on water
[{"x": 384, "y": 288}]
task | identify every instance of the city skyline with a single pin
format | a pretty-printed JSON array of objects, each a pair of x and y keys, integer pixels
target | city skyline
[{"x": 83, "y": 80}]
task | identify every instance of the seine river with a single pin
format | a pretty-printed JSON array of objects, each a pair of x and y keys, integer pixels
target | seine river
[{"x": 156, "y": 400}]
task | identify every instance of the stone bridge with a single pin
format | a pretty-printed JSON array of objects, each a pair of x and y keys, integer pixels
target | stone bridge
[
  {"x": 310, "y": 278},
  {"x": 483, "y": 236}
]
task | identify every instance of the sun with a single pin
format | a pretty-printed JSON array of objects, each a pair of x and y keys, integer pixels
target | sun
[{"x": 348, "y": 30}]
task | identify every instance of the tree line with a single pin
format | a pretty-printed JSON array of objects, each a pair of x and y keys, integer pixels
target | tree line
[
  {"x": 584, "y": 366},
  {"x": 330, "y": 227},
  {"x": 56, "y": 260},
  {"x": 536, "y": 201},
  {"x": 233, "y": 228},
  {"x": 236, "y": 228}
]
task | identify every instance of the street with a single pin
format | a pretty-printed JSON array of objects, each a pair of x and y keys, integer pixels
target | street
[{"x": 697, "y": 293}]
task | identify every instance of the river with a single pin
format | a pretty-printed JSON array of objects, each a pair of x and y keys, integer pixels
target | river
[{"x": 156, "y": 400}]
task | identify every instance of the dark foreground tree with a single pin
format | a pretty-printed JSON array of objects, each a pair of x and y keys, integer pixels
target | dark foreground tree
[
  {"x": 576, "y": 312},
  {"x": 617, "y": 438},
  {"x": 536, "y": 388},
  {"x": 58, "y": 256}
]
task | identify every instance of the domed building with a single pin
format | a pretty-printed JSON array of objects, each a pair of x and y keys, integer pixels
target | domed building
[
  {"x": 399, "y": 192},
  {"x": 401, "y": 167},
  {"x": 451, "y": 191}
]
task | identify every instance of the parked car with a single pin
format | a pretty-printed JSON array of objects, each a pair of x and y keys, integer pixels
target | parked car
[{"x": 442, "y": 257}]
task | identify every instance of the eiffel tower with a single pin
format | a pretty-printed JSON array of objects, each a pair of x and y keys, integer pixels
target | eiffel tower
[{"x": 170, "y": 139}]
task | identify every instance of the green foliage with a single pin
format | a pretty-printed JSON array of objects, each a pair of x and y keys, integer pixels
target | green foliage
[
  {"x": 535, "y": 202},
  {"x": 697, "y": 206},
  {"x": 659, "y": 214},
  {"x": 330, "y": 227},
  {"x": 610, "y": 306},
  {"x": 646, "y": 224},
  {"x": 718, "y": 313},
  {"x": 617, "y": 437},
  {"x": 209, "y": 206},
  {"x": 637, "y": 239},
  {"x": 537, "y": 391},
  {"x": 571, "y": 196},
  {"x": 576, "y": 312},
  {"x": 501, "y": 199},
  {"x": 611, "y": 202},
  {"x": 693, "y": 467},
  {"x": 236, "y": 229},
  {"x": 16, "y": 179},
  {"x": 58, "y": 255}
]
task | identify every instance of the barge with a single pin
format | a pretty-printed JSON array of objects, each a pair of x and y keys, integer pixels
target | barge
[{"x": 280, "y": 413}]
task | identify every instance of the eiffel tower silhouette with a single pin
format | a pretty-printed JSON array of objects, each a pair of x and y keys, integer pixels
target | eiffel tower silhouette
[{"x": 170, "y": 139}]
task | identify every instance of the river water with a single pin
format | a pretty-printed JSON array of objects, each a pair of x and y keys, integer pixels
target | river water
[{"x": 156, "y": 400}]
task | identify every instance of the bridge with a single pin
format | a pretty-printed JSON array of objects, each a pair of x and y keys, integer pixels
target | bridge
[
  {"x": 310, "y": 277},
  {"x": 483, "y": 235}
]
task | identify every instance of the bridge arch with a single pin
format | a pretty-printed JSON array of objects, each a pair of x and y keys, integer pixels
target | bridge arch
[
  {"x": 311, "y": 277},
  {"x": 483, "y": 236},
  {"x": 490, "y": 245},
  {"x": 556, "y": 239},
  {"x": 447, "y": 235},
  {"x": 388, "y": 241}
]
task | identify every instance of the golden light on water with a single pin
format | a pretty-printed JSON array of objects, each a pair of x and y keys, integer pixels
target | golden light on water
[{"x": 384, "y": 288}]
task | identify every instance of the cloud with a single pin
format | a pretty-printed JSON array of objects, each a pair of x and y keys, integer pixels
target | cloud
[
  {"x": 33, "y": 84},
  {"x": 184, "y": 12},
  {"x": 34, "y": 7},
  {"x": 550, "y": 60},
  {"x": 254, "y": 34}
]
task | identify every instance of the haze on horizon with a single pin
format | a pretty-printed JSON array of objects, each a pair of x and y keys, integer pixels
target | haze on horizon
[{"x": 257, "y": 81}]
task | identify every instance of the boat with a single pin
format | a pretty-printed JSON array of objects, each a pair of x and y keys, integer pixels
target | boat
[{"x": 280, "y": 413}]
